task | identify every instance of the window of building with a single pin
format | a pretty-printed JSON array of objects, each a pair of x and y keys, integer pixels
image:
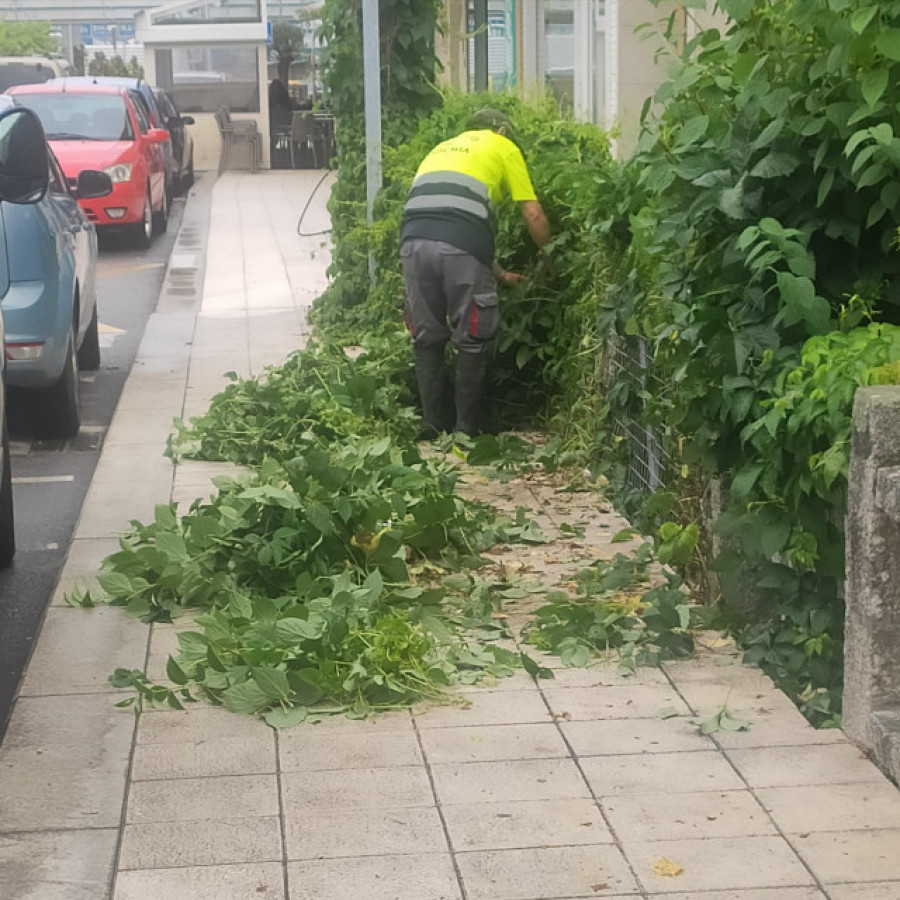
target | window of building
[{"x": 206, "y": 78}]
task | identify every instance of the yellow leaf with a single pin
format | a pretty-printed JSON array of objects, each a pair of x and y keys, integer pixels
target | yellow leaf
[{"x": 667, "y": 868}]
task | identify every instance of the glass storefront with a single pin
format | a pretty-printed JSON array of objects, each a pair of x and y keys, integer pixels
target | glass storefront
[{"x": 204, "y": 78}]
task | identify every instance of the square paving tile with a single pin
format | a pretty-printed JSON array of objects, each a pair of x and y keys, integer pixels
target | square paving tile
[
  {"x": 657, "y": 773},
  {"x": 833, "y": 807},
  {"x": 329, "y": 834},
  {"x": 668, "y": 816},
  {"x": 197, "y": 723},
  {"x": 486, "y": 708},
  {"x": 395, "y": 720},
  {"x": 426, "y": 877},
  {"x": 483, "y": 743},
  {"x": 797, "y": 893},
  {"x": 616, "y": 737},
  {"x": 259, "y": 881},
  {"x": 852, "y": 856},
  {"x": 775, "y": 728},
  {"x": 884, "y": 890},
  {"x": 63, "y": 763},
  {"x": 501, "y": 782},
  {"x": 197, "y": 759},
  {"x": 716, "y": 864},
  {"x": 641, "y": 701},
  {"x": 792, "y": 766},
  {"x": 533, "y": 823},
  {"x": 58, "y": 865},
  {"x": 605, "y": 674},
  {"x": 384, "y": 788},
  {"x": 162, "y": 845},
  {"x": 80, "y": 648},
  {"x": 549, "y": 872},
  {"x": 187, "y": 799},
  {"x": 308, "y": 750}
]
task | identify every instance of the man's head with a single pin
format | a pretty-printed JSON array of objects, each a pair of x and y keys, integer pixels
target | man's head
[{"x": 493, "y": 119}]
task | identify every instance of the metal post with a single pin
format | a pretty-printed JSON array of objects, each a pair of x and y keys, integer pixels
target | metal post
[
  {"x": 481, "y": 45},
  {"x": 372, "y": 84}
]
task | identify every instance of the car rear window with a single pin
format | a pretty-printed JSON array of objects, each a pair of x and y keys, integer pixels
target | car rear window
[
  {"x": 24, "y": 73},
  {"x": 74, "y": 117}
]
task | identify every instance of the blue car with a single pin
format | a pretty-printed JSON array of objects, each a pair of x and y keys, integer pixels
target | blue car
[
  {"x": 23, "y": 180},
  {"x": 48, "y": 258}
]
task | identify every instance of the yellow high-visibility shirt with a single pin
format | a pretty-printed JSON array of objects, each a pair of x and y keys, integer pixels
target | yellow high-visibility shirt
[{"x": 491, "y": 158}]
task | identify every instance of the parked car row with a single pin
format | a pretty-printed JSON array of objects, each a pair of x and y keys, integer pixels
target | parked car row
[{"x": 126, "y": 128}]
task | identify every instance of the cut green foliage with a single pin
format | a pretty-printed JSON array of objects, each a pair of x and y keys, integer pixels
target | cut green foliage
[
  {"x": 617, "y": 607},
  {"x": 720, "y": 720}
]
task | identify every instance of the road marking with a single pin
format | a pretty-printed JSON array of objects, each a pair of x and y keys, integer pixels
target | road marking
[
  {"x": 52, "y": 546},
  {"x": 42, "y": 479},
  {"x": 105, "y": 271},
  {"x": 109, "y": 329}
]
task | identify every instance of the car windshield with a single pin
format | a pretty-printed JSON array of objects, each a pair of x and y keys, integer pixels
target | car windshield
[{"x": 80, "y": 117}]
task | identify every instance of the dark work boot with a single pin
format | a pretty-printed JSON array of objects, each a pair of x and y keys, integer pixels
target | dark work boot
[
  {"x": 434, "y": 391},
  {"x": 470, "y": 374}
]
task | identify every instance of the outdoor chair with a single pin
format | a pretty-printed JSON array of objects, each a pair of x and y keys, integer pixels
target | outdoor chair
[
  {"x": 305, "y": 134},
  {"x": 238, "y": 132}
]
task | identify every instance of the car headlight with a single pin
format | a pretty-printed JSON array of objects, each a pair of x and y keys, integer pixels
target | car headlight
[{"x": 119, "y": 172}]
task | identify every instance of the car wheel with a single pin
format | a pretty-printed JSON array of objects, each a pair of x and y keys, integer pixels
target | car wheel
[
  {"x": 143, "y": 230},
  {"x": 60, "y": 412},
  {"x": 161, "y": 218},
  {"x": 89, "y": 352},
  {"x": 7, "y": 523}
]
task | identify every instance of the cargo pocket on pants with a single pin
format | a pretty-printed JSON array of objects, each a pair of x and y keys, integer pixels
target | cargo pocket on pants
[{"x": 484, "y": 317}]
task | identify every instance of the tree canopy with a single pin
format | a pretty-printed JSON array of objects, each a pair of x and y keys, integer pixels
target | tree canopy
[{"x": 26, "y": 39}]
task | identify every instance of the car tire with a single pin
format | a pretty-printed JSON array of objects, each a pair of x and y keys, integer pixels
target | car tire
[
  {"x": 60, "y": 411},
  {"x": 7, "y": 520},
  {"x": 161, "y": 218},
  {"x": 143, "y": 230},
  {"x": 89, "y": 352}
]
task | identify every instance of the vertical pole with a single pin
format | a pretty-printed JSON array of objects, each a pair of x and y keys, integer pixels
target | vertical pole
[
  {"x": 372, "y": 86},
  {"x": 481, "y": 45},
  {"x": 512, "y": 37}
]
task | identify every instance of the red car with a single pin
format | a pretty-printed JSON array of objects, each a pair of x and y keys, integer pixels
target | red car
[{"x": 105, "y": 127}]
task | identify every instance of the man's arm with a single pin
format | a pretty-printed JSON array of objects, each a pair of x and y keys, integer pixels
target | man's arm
[{"x": 536, "y": 221}]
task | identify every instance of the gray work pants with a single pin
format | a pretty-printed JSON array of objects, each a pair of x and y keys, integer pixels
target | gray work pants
[{"x": 450, "y": 295}]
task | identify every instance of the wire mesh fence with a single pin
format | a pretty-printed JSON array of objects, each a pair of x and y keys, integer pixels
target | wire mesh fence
[{"x": 628, "y": 376}]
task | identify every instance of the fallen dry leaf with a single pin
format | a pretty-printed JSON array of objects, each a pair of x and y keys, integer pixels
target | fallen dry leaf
[{"x": 667, "y": 868}]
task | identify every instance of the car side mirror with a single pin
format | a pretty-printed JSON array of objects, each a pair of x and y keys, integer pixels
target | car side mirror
[
  {"x": 158, "y": 136},
  {"x": 187, "y": 120},
  {"x": 24, "y": 164},
  {"x": 92, "y": 184}
]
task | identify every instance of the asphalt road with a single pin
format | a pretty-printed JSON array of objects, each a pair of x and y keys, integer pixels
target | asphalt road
[{"x": 51, "y": 478}]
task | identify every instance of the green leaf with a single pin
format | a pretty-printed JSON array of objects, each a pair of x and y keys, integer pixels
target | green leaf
[
  {"x": 625, "y": 535},
  {"x": 861, "y": 18},
  {"x": 768, "y": 134},
  {"x": 692, "y": 130},
  {"x": 175, "y": 673},
  {"x": 888, "y": 44},
  {"x": 246, "y": 698},
  {"x": 286, "y": 718},
  {"x": 775, "y": 165},
  {"x": 873, "y": 84}
]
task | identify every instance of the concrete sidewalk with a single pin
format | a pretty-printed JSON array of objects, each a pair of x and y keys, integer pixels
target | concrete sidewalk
[{"x": 564, "y": 789}]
